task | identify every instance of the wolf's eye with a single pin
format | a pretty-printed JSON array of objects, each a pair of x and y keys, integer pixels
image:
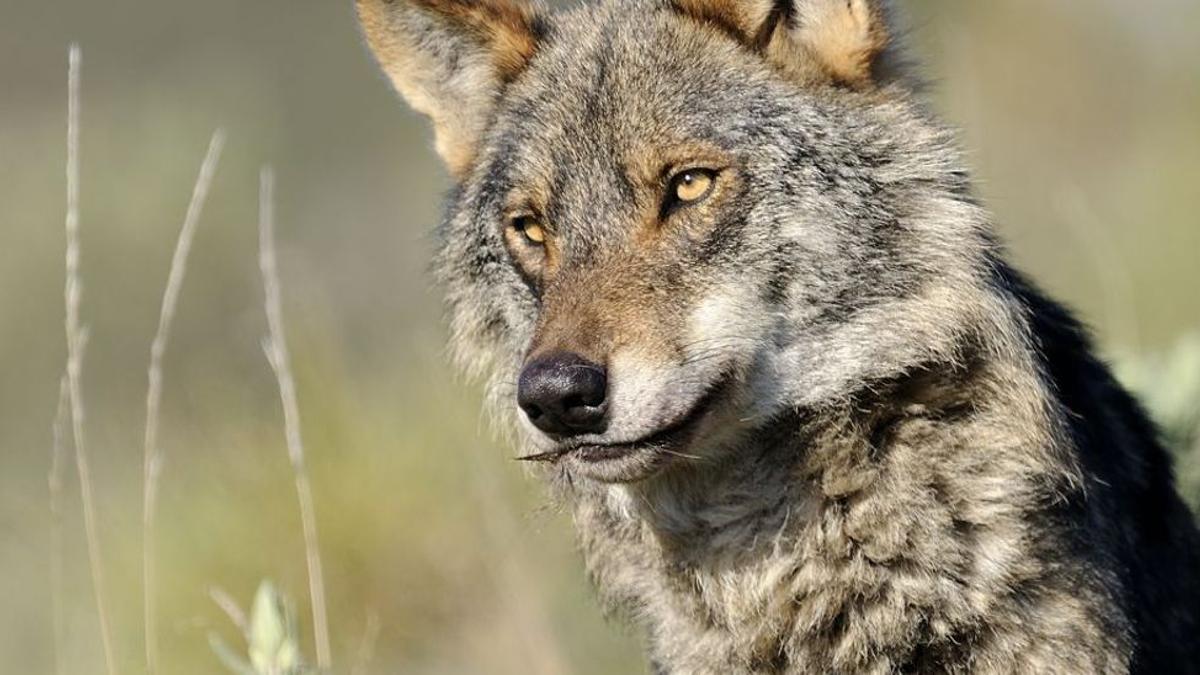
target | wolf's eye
[
  {"x": 691, "y": 186},
  {"x": 529, "y": 228}
]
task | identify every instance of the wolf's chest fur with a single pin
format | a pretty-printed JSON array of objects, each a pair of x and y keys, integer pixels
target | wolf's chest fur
[{"x": 920, "y": 537}]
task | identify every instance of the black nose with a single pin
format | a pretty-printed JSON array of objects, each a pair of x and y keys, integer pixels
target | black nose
[{"x": 564, "y": 394}]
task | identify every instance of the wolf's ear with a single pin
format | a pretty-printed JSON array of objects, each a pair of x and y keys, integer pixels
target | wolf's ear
[
  {"x": 449, "y": 59},
  {"x": 844, "y": 41}
]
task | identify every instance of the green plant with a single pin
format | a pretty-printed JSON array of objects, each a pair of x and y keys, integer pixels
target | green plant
[{"x": 271, "y": 635}]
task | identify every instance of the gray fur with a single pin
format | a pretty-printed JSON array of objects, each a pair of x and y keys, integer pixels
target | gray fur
[{"x": 913, "y": 463}]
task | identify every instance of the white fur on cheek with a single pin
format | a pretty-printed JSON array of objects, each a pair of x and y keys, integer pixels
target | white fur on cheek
[
  {"x": 644, "y": 396},
  {"x": 730, "y": 318},
  {"x": 726, "y": 329}
]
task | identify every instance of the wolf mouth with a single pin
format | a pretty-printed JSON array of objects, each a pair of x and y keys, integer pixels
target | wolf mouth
[{"x": 666, "y": 441}]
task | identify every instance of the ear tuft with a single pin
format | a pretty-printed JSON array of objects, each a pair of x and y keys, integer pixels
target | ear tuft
[
  {"x": 449, "y": 59},
  {"x": 846, "y": 36},
  {"x": 839, "y": 41}
]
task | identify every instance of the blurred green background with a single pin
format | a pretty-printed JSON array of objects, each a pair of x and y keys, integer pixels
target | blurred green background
[{"x": 1082, "y": 118}]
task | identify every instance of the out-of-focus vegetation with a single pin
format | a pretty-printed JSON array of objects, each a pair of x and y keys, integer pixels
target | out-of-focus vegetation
[
  {"x": 271, "y": 634},
  {"x": 1168, "y": 383},
  {"x": 1083, "y": 120}
]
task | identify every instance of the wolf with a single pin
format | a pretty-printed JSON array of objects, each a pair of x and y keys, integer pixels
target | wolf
[{"x": 725, "y": 277}]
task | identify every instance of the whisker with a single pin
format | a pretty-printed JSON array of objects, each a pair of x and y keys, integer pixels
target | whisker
[
  {"x": 545, "y": 457},
  {"x": 682, "y": 455},
  {"x": 704, "y": 358},
  {"x": 718, "y": 338}
]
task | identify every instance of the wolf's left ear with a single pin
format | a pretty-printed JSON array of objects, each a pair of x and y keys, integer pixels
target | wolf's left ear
[
  {"x": 449, "y": 59},
  {"x": 843, "y": 41}
]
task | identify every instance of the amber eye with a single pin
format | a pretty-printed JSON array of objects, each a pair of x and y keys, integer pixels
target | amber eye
[
  {"x": 530, "y": 229},
  {"x": 691, "y": 186}
]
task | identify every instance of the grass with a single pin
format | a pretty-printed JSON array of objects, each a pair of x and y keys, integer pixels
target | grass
[
  {"x": 268, "y": 606},
  {"x": 76, "y": 336},
  {"x": 276, "y": 349},
  {"x": 152, "y": 456},
  {"x": 58, "y": 460}
]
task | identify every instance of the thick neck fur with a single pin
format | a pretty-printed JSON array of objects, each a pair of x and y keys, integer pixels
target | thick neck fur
[{"x": 922, "y": 520}]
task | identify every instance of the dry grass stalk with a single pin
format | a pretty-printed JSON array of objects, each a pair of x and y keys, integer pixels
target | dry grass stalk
[
  {"x": 58, "y": 461},
  {"x": 366, "y": 648},
  {"x": 76, "y": 344},
  {"x": 231, "y": 608},
  {"x": 276, "y": 350},
  {"x": 152, "y": 454}
]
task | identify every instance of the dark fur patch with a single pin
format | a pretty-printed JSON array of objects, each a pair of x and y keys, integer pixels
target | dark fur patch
[{"x": 781, "y": 15}]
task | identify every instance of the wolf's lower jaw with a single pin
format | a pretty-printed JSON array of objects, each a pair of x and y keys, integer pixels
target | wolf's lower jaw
[{"x": 898, "y": 532}]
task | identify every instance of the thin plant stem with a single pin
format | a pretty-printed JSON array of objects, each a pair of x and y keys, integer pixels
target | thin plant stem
[
  {"x": 152, "y": 454},
  {"x": 276, "y": 350},
  {"x": 76, "y": 345},
  {"x": 58, "y": 460},
  {"x": 366, "y": 648},
  {"x": 231, "y": 608}
]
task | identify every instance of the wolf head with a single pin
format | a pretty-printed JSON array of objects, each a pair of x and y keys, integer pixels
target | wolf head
[{"x": 676, "y": 219}]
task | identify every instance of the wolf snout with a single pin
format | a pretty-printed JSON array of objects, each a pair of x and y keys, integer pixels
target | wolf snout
[{"x": 564, "y": 394}]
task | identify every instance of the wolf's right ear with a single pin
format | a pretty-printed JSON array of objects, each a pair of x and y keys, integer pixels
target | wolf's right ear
[
  {"x": 449, "y": 59},
  {"x": 848, "y": 42}
]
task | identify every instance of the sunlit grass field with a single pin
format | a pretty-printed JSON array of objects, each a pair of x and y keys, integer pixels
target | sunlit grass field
[{"x": 440, "y": 556}]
